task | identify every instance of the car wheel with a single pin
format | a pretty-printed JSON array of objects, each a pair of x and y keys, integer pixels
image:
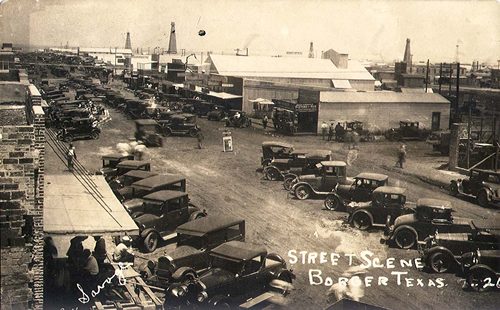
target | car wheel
[
  {"x": 302, "y": 192},
  {"x": 151, "y": 242},
  {"x": 272, "y": 174},
  {"x": 192, "y": 133},
  {"x": 167, "y": 132},
  {"x": 440, "y": 262},
  {"x": 405, "y": 238},
  {"x": 477, "y": 279},
  {"x": 361, "y": 221},
  {"x": 483, "y": 198},
  {"x": 454, "y": 189},
  {"x": 332, "y": 203},
  {"x": 288, "y": 182},
  {"x": 68, "y": 138}
]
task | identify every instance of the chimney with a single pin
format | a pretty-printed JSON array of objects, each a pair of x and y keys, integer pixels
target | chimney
[
  {"x": 407, "y": 56},
  {"x": 128, "y": 45},
  {"x": 172, "y": 43},
  {"x": 311, "y": 51}
]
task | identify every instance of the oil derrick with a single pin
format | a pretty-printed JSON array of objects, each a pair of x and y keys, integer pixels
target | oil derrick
[
  {"x": 128, "y": 45},
  {"x": 311, "y": 51},
  {"x": 407, "y": 56},
  {"x": 172, "y": 43}
]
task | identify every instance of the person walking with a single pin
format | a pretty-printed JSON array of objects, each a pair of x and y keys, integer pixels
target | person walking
[
  {"x": 401, "y": 156},
  {"x": 324, "y": 129},
  {"x": 330, "y": 132},
  {"x": 264, "y": 122},
  {"x": 200, "y": 138},
  {"x": 71, "y": 156}
]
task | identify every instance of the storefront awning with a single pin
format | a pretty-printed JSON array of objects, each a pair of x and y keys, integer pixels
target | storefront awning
[
  {"x": 341, "y": 84},
  {"x": 74, "y": 207}
]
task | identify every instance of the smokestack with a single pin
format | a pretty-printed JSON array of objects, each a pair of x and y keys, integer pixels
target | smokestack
[
  {"x": 407, "y": 56},
  {"x": 128, "y": 45},
  {"x": 311, "y": 51},
  {"x": 172, "y": 43}
]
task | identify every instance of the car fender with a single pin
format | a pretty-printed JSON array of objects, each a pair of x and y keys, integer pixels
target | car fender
[
  {"x": 413, "y": 230},
  {"x": 275, "y": 256},
  {"x": 302, "y": 183},
  {"x": 361, "y": 211},
  {"x": 481, "y": 266},
  {"x": 436, "y": 249},
  {"x": 195, "y": 214},
  {"x": 290, "y": 175},
  {"x": 146, "y": 231},
  {"x": 182, "y": 272}
]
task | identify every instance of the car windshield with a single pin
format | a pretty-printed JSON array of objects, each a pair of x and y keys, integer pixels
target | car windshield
[
  {"x": 230, "y": 265},
  {"x": 492, "y": 178}
]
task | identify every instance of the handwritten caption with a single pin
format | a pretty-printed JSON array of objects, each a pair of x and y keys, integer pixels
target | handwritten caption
[{"x": 118, "y": 274}]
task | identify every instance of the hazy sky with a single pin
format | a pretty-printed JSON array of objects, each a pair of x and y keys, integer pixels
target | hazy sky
[{"x": 364, "y": 29}]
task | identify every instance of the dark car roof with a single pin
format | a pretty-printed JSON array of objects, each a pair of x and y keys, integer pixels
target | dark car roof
[
  {"x": 165, "y": 195},
  {"x": 114, "y": 156},
  {"x": 206, "y": 225},
  {"x": 239, "y": 250},
  {"x": 390, "y": 190},
  {"x": 159, "y": 180},
  {"x": 491, "y": 225},
  {"x": 487, "y": 171},
  {"x": 131, "y": 163},
  {"x": 145, "y": 122},
  {"x": 141, "y": 174},
  {"x": 276, "y": 143},
  {"x": 182, "y": 115},
  {"x": 434, "y": 203},
  {"x": 335, "y": 163},
  {"x": 372, "y": 176},
  {"x": 318, "y": 153}
]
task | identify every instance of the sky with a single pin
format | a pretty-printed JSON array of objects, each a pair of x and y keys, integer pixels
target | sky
[{"x": 375, "y": 30}]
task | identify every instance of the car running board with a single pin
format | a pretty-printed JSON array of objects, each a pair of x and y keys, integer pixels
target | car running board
[{"x": 168, "y": 236}]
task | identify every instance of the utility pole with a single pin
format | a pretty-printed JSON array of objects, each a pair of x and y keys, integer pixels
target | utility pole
[
  {"x": 427, "y": 76},
  {"x": 114, "y": 68},
  {"x": 440, "y": 76}
]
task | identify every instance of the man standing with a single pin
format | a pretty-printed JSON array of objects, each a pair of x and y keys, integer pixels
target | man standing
[
  {"x": 71, "y": 156},
  {"x": 339, "y": 132},
  {"x": 99, "y": 250},
  {"x": 264, "y": 122},
  {"x": 401, "y": 156},
  {"x": 200, "y": 138},
  {"x": 324, "y": 129},
  {"x": 330, "y": 132}
]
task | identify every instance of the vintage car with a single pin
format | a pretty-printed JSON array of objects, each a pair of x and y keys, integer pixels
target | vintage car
[
  {"x": 481, "y": 270},
  {"x": 232, "y": 119},
  {"x": 125, "y": 166},
  {"x": 136, "y": 109},
  {"x": 359, "y": 191},
  {"x": 218, "y": 113},
  {"x": 202, "y": 108},
  {"x": 274, "y": 150},
  {"x": 483, "y": 185},
  {"x": 299, "y": 162},
  {"x": 79, "y": 129},
  {"x": 163, "y": 212},
  {"x": 408, "y": 130},
  {"x": 331, "y": 174},
  {"x": 430, "y": 215},
  {"x": 180, "y": 124},
  {"x": 148, "y": 131},
  {"x": 237, "y": 272},
  {"x": 443, "y": 251},
  {"x": 388, "y": 202},
  {"x": 109, "y": 162},
  {"x": 122, "y": 185},
  {"x": 194, "y": 241},
  {"x": 147, "y": 186}
]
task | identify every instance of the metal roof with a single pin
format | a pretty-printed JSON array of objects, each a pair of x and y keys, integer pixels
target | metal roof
[
  {"x": 206, "y": 225},
  {"x": 436, "y": 203},
  {"x": 380, "y": 97},
  {"x": 390, "y": 190},
  {"x": 239, "y": 250},
  {"x": 131, "y": 164},
  {"x": 159, "y": 180},
  {"x": 140, "y": 174},
  {"x": 286, "y": 67},
  {"x": 277, "y": 143},
  {"x": 372, "y": 176},
  {"x": 165, "y": 195}
]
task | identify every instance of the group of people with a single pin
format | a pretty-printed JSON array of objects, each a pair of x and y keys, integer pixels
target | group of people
[{"x": 329, "y": 131}]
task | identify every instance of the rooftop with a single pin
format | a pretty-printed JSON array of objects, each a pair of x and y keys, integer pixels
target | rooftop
[
  {"x": 382, "y": 97},
  {"x": 207, "y": 224}
]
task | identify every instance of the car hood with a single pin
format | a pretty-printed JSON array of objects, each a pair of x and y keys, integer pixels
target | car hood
[
  {"x": 451, "y": 237},
  {"x": 280, "y": 161},
  {"x": 182, "y": 251},
  {"x": 493, "y": 186},
  {"x": 343, "y": 188},
  {"x": 405, "y": 219},
  {"x": 215, "y": 277},
  {"x": 125, "y": 191},
  {"x": 307, "y": 177},
  {"x": 133, "y": 204},
  {"x": 147, "y": 220}
]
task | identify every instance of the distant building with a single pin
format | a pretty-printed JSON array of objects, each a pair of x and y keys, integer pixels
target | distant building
[{"x": 7, "y": 57}]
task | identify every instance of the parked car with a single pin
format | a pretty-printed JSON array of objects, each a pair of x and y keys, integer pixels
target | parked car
[
  {"x": 122, "y": 185},
  {"x": 109, "y": 162},
  {"x": 440, "y": 141},
  {"x": 125, "y": 166},
  {"x": 331, "y": 174},
  {"x": 232, "y": 119},
  {"x": 237, "y": 272},
  {"x": 194, "y": 241},
  {"x": 299, "y": 162},
  {"x": 442, "y": 252},
  {"x": 218, "y": 113},
  {"x": 483, "y": 185},
  {"x": 136, "y": 109},
  {"x": 180, "y": 124},
  {"x": 481, "y": 270},
  {"x": 147, "y": 186},
  {"x": 430, "y": 215},
  {"x": 149, "y": 132},
  {"x": 163, "y": 212},
  {"x": 408, "y": 130},
  {"x": 274, "y": 150},
  {"x": 388, "y": 202},
  {"x": 358, "y": 191},
  {"x": 79, "y": 129}
]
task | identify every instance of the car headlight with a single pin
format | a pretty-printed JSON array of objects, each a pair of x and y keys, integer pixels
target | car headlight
[
  {"x": 179, "y": 291},
  {"x": 202, "y": 296}
]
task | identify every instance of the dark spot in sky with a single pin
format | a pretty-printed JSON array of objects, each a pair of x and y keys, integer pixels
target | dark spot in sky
[{"x": 201, "y": 33}]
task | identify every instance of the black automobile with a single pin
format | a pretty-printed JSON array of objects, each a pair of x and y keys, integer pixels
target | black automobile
[
  {"x": 79, "y": 128},
  {"x": 238, "y": 272},
  {"x": 217, "y": 113},
  {"x": 146, "y": 186},
  {"x": 388, "y": 202},
  {"x": 163, "y": 212},
  {"x": 194, "y": 241},
  {"x": 442, "y": 252},
  {"x": 110, "y": 161},
  {"x": 481, "y": 270},
  {"x": 431, "y": 216},
  {"x": 359, "y": 191},
  {"x": 236, "y": 118},
  {"x": 180, "y": 124},
  {"x": 125, "y": 166},
  {"x": 483, "y": 185},
  {"x": 122, "y": 185},
  {"x": 297, "y": 162},
  {"x": 274, "y": 150},
  {"x": 408, "y": 130},
  {"x": 149, "y": 132}
]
